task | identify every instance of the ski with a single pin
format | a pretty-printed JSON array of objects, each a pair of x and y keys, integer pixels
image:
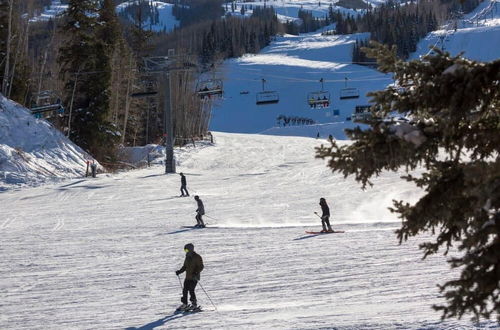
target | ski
[
  {"x": 189, "y": 310},
  {"x": 197, "y": 309},
  {"x": 328, "y": 232},
  {"x": 194, "y": 227}
]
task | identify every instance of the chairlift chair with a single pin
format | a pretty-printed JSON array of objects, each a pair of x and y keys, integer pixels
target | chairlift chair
[
  {"x": 320, "y": 99},
  {"x": 45, "y": 104},
  {"x": 348, "y": 92},
  {"x": 209, "y": 88},
  {"x": 266, "y": 97}
]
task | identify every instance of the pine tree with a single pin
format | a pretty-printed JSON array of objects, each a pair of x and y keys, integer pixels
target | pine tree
[
  {"x": 85, "y": 65},
  {"x": 454, "y": 137}
]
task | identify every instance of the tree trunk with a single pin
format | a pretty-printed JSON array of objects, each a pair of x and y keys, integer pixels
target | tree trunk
[{"x": 5, "y": 82}]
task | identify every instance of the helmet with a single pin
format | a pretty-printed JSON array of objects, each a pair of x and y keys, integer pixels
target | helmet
[{"x": 189, "y": 247}]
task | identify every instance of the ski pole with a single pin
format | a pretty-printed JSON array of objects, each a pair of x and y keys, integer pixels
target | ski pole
[
  {"x": 208, "y": 296},
  {"x": 180, "y": 283},
  {"x": 211, "y": 217},
  {"x": 317, "y": 215}
]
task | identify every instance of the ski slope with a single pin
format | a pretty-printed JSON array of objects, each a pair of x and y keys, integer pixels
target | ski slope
[
  {"x": 101, "y": 254},
  {"x": 293, "y": 66},
  {"x": 166, "y": 20},
  {"x": 477, "y": 35}
]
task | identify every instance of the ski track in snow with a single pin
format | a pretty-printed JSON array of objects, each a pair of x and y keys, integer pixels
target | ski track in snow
[{"x": 101, "y": 254}]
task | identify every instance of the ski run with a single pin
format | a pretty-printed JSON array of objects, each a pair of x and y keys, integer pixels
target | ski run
[
  {"x": 82, "y": 253},
  {"x": 102, "y": 253}
]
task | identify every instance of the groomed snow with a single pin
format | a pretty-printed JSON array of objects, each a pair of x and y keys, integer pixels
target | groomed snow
[
  {"x": 293, "y": 66},
  {"x": 101, "y": 254}
]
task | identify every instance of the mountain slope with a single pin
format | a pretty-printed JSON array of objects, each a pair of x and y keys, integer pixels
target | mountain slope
[
  {"x": 32, "y": 151},
  {"x": 103, "y": 255},
  {"x": 293, "y": 66}
]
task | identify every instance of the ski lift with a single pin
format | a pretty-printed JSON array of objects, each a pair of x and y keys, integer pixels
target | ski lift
[
  {"x": 209, "y": 88},
  {"x": 46, "y": 104},
  {"x": 362, "y": 114},
  {"x": 349, "y": 92},
  {"x": 319, "y": 100},
  {"x": 266, "y": 97}
]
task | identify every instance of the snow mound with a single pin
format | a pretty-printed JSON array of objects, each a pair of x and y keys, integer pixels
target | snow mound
[{"x": 32, "y": 151}]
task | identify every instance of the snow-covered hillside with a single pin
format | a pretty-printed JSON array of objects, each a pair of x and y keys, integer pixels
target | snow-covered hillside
[
  {"x": 103, "y": 255},
  {"x": 293, "y": 66},
  {"x": 165, "y": 20},
  {"x": 32, "y": 151},
  {"x": 53, "y": 10},
  {"x": 477, "y": 35}
]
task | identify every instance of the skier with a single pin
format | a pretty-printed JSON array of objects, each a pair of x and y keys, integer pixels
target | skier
[
  {"x": 193, "y": 265},
  {"x": 325, "y": 217},
  {"x": 199, "y": 212},
  {"x": 183, "y": 185}
]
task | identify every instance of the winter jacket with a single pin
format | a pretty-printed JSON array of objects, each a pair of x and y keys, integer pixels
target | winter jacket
[
  {"x": 193, "y": 265},
  {"x": 183, "y": 180},
  {"x": 201, "y": 208},
  {"x": 325, "y": 209}
]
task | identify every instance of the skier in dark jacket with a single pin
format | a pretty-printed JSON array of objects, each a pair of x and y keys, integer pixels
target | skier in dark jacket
[
  {"x": 199, "y": 212},
  {"x": 325, "y": 216},
  {"x": 193, "y": 265},
  {"x": 183, "y": 185}
]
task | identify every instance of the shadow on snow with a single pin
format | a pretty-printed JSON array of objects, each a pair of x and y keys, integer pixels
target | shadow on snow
[{"x": 159, "y": 322}]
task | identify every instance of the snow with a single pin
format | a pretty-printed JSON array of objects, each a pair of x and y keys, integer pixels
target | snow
[
  {"x": 55, "y": 9},
  {"x": 102, "y": 253},
  {"x": 293, "y": 66},
  {"x": 167, "y": 22},
  {"x": 32, "y": 151},
  {"x": 288, "y": 10},
  {"x": 324, "y": 130},
  {"x": 477, "y": 35}
]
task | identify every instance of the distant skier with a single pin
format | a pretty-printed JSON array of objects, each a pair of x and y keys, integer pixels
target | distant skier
[
  {"x": 325, "y": 216},
  {"x": 199, "y": 212},
  {"x": 183, "y": 185},
  {"x": 193, "y": 265}
]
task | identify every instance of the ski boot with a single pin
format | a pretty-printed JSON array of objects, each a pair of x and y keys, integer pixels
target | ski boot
[
  {"x": 182, "y": 308},
  {"x": 193, "y": 308}
]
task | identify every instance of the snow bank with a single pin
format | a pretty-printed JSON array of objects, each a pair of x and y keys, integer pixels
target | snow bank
[{"x": 32, "y": 151}]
